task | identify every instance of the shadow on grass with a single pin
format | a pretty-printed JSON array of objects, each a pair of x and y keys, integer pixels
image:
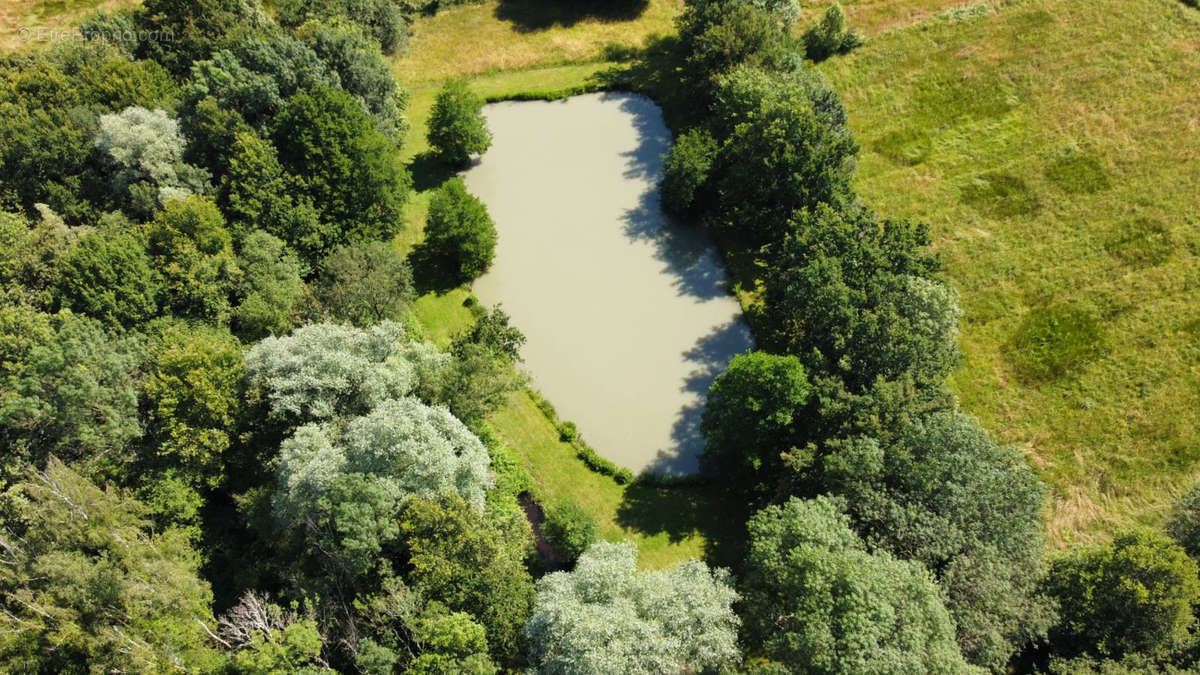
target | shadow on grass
[
  {"x": 534, "y": 15},
  {"x": 432, "y": 272},
  {"x": 683, "y": 511},
  {"x": 429, "y": 171}
]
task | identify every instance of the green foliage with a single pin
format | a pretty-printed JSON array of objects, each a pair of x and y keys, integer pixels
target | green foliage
[
  {"x": 686, "y": 170},
  {"x": 345, "y": 166},
  {"x": 493, "y": 332},
  {"x": 607, "y": 617},
  {"x": 108, "y": 276},
  {"x": 267, "y": 639},
  {"x": 752, "y": 418},
  {"x": 457, "y": 128},
  {"x": 852, "y": 297},
  {"x": 187, "y": 31},
  {"x": 717, "y": 36},
  {"x": 830, "y": 35},
  {"x": 1184, "y": 524},
  {"x": 365, "y": 283},
  {"x": 144, "y": 150},
  {"x": 1056, "y": 341},
  {"x": 71, "y": 391},
  {"x": 272, "y": 291},
  {"x": 360, "y": 71},
  {"x": 323, "y": 371},
  {"x": 474, "y": 565},
  {"x": 941, "y": 492},
  {"x": 194, "y": 395},
  {"x": 87, "y": 585},
  {"x": 459, "y": 231},
  {"x": 383, "y": 20},
  {"x": 30, "y": 255},
  {"x": 1134, "y": 595},
  {"x": 190, "y": 249},
  {"x": 570, "y": 529},
  {"x": 818, "y": 602},
  {"x": 774, "y": 129},
  {"x": 453, "y": 643}
]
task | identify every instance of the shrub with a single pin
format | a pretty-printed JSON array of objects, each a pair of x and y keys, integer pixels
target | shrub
[
  {"x": 459, "y": 231},
  {"x": 686, "y": 169},
  {"x": 567, "y": 432},
  {"x": 830, "y": 35},
  {"x": 1184, "y": 525},
  {"x": 456, "y": 126},
  {"x": 570, "y": 530}
]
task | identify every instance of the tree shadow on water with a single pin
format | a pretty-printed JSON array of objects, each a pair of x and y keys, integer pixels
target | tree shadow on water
[{"x": 535, "y": 15}]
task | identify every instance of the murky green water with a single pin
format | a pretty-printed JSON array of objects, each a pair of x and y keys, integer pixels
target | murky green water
[{"x": 628, "y": 316}]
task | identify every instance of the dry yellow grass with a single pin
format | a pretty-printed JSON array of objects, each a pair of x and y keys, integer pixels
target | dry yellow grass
[
  {"x": 475, "y": 39},
  {"x": 39, "y": 23}
]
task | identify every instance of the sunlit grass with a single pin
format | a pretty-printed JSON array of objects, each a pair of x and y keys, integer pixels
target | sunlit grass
[
  {"x": 1052, "y": 146},
  {"x": 39, "y": 23}
]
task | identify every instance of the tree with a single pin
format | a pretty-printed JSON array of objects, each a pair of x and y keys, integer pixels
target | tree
[
  {"x": 30, "y": 256},
  {"x": 383, "y": 20},
  {"x": 452, "y": 643},
  {"x": 856, "y": 298},
  {"x": 322, "y": 371},
  {"x": 107, "y": 276},
  {"x": 361, "y": 71},
  {"x": 1134, "y": 595},
  {"x": 607, "y": 617},
  {"x": 570, "y": 529},
  {"x": 481, "y": 374},
  {"x": 717, "y": 36},
  {"x": 459, "y": 231},
  {"x": 941, "y": 492},
  {"x": 472, "y": 564},
  {"x": 73, "y": 394},
  {"x": 818, "y": 602},
  {"x": 830, "y": 35},
  {"x": 190, "y": 248},
  {"x": 752, "y": 417},
  {"x": 457, "y": 128},
  {"x": 188, "y": 31},
  {"x": 365, "y": 283},
  {"x": 272, "y": 290},
  {"x": 258, "y": 193},
  {"x": 686, "y": 170},
  {"x": 145, "y": 151},
  {"x": 87, "y": 585},
  {"x": 492, "y": 332},
  {"x": 775, "y": 130},
  {"x": 194, "y": 394},
  {"x": 347, "y": 168}
]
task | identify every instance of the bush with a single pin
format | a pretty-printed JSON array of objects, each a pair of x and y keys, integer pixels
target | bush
[
  {"x": 567, "y": 432},
  {"x": 570, "y": 530},
  {"x": 830, "y": 35},
  {"x": 459, "y": 231},
  {"x": 1184, "y": 525},
  {"x": 686, "y": 170},
  {"x": 456, "y": 126}
]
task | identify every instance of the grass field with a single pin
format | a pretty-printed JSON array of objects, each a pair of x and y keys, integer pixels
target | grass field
[{"x": 1052, "y": 145}]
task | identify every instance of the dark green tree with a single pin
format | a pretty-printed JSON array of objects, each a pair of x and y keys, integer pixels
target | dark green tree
[
  {"x": 457, "y": 128},
  {"x": 187, "y": 31},
  {"x": 686, "y": 170},
  {"x": 570, "y": 529},
  {"x": 459, "y": 232},
  {"x": 191, "y": 251},
  {"x": 753, "y": 418},
  {"x": 830, "y": 35},
  {"x": 347, "y": 168}
]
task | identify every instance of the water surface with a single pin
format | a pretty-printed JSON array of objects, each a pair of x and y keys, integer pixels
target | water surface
[{"x": 628, "y": 316}]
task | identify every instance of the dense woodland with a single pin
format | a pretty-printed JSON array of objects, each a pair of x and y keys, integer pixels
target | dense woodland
[{"x": 228, "y": 447}]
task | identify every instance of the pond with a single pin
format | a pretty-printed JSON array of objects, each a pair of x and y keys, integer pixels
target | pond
[{"x": 628, "y": 314}]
